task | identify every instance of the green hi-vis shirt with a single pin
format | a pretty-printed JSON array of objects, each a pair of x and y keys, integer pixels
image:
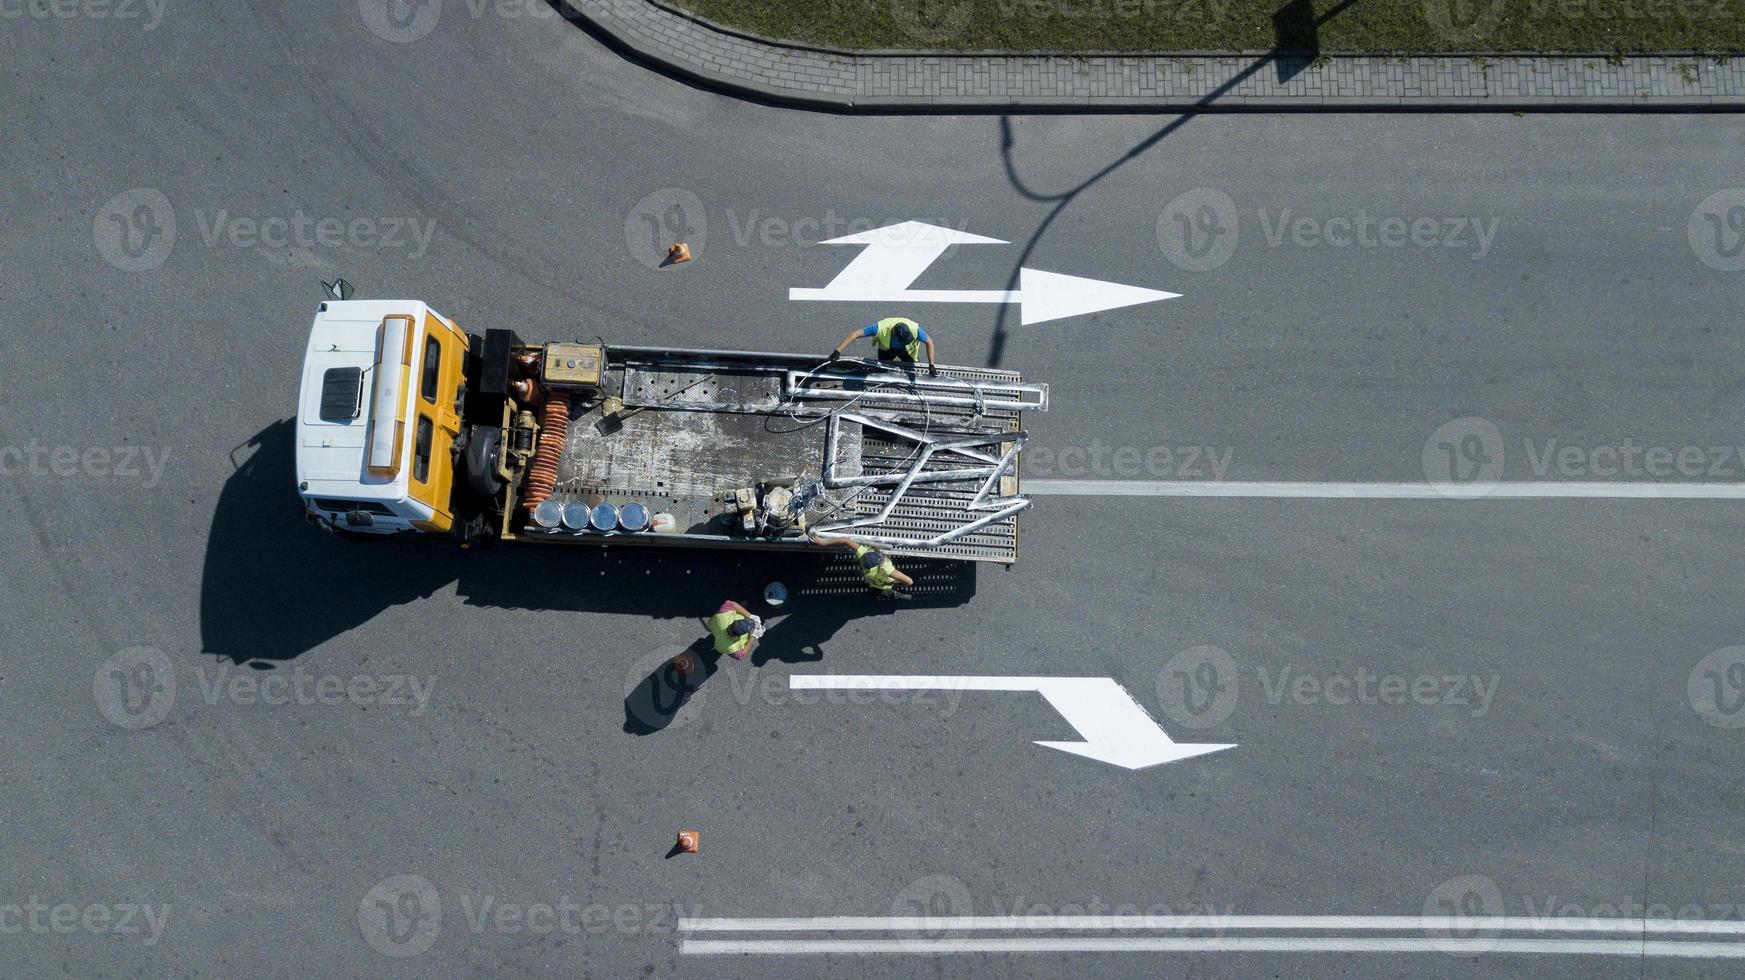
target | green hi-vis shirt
[
  {"x": 880, "y": 577},
  {"x": 882, "y": 330},
  {"x": 726, "y": 642}
]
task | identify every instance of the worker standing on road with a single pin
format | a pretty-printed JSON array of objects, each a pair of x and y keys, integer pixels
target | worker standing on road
[
  {"x": 880, "y": 574},
  {"x": 735, "y": 629},
  {"x": 898, "y": 339}
]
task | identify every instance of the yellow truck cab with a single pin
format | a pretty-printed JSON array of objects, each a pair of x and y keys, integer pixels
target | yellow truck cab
[{"x": 377, "y": 417}]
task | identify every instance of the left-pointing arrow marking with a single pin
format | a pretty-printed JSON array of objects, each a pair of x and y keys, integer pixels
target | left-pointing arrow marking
[
  {"x": 894, "y": 257},
  {"x": 1114, "y": 727}
]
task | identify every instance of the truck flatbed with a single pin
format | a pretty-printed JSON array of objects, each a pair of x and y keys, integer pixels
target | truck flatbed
[{"x": 920, "y": 465}]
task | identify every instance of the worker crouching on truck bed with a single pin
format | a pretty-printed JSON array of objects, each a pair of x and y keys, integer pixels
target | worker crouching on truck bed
[
  {"x": 898, "y": 339},
  {"x": 880, "y": 574},
  {"x": 735, "y": 629}
]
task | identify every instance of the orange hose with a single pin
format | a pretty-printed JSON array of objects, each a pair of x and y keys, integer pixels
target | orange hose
[{"x": 542, "y": 472}]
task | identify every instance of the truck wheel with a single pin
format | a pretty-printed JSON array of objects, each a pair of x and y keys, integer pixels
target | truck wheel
[{"x": 481, "y": 461}]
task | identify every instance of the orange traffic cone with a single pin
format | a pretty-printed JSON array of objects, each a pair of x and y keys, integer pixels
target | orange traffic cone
[
  {"x": 679, "y": 252},
  {"x": 688, "y": 842},
  {"x": 683, "y": 665}
]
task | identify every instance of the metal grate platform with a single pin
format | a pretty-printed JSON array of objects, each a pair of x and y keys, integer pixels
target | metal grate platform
[{"x": 923, "y": 467}]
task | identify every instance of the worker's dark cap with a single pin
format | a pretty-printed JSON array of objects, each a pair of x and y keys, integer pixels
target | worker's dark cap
[
  {"x": 741, "y": 627},
  {"x": 904, "y": 332},
  {"x": 872, "y": 559}
]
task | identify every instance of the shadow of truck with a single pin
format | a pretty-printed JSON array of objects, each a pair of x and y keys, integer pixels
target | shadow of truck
[{"x": 274, "y": 586}]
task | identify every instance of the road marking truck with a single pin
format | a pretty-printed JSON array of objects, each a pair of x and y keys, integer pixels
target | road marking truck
[{"x": 409, "y": 425}]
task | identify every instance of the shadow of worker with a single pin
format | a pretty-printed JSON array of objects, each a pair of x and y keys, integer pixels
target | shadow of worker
[
  {"x": 825, "y": 594},
  {"x": 799, "y": 638},
  {"x": 668, "y": 697}
]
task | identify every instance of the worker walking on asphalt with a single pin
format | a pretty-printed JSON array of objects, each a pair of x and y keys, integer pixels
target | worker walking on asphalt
[
  {"x": 880, "y": 574},
  {"x": 735, "y": 629},
  {"x": 898, "y": 339}
]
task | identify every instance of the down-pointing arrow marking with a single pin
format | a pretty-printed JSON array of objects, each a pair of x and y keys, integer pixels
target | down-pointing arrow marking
[{"x": 1115, "y": 728}]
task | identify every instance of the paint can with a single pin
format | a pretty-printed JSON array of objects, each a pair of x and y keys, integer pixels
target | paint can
[
  {"x": 775, "y": 594},
  {"x": 633, "y": 517},
  {"x": 549, "y": 514},
  {"x": 575, "y": 517},
  {"x": 605, "y": 517}
]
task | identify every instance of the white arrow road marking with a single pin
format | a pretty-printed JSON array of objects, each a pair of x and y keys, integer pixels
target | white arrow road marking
[
  {"x": 1386, "y": 491},
  {"x": 1116, "y": 729},
  {"x": 895, "y": 256},
  {"x": 1051, "y": 296}
]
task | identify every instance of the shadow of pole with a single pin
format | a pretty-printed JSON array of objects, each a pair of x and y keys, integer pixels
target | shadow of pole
[
  {"x": 1297, "y": 32},
  {"x": 1297, "y": 46}
]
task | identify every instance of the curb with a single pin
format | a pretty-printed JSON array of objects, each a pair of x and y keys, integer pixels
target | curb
[{"x": 684, "y": 45}]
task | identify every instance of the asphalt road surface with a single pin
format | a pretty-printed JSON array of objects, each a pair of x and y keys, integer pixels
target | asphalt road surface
[{"x": 1493, "y": 736}]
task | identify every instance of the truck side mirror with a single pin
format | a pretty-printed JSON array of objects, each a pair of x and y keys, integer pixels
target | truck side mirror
[{"x": 338, "y": 289}]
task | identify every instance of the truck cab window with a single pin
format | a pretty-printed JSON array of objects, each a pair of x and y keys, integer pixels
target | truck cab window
[
  {"x": 432, "y": 362},
  {"x": 421, "y": 450}
]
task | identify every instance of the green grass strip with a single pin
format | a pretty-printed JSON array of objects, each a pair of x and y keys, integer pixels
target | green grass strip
[{"x": 1715, "y": 27}]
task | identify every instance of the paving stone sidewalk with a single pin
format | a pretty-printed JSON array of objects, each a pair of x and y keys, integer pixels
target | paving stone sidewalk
[{"x": 694, "y": 48}]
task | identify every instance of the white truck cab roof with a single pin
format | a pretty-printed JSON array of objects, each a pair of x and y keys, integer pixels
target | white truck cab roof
[{"x": 340, "y": 398}]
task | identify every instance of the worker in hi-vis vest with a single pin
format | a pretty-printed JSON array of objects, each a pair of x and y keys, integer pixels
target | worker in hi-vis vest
[
  {"x": 898, "y": 339},
  {"x": 735, "y": 629},
  {"x": 875, "y": 568}
]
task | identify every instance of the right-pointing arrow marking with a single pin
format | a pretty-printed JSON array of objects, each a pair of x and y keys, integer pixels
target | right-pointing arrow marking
[
  {"x": 893, "y": 258},
  {"x": 1115, "y": 728}
]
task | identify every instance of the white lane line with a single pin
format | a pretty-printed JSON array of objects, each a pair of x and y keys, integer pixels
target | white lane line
[
  {"x": 1139, "y": 944},
  {"x": 1385, "y": 491},
  {"x": 1224, "y": 923}
]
